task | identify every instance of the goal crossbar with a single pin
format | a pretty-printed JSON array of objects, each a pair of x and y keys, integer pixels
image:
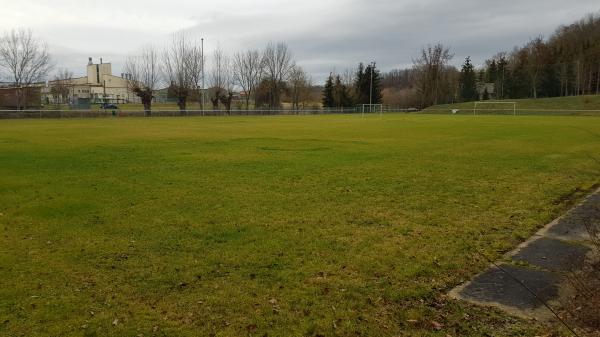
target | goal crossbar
[
  {"x": 514, "y": 106},
  {"x": 372, "y": 108}
]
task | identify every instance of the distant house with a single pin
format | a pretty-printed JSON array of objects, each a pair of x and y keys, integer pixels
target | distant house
[
  {"x": 482, "y": 88},
  {"x": 99, "y": 86}
]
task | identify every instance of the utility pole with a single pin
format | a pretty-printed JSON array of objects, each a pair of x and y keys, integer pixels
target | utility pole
[{"x": 202, "y": 62}]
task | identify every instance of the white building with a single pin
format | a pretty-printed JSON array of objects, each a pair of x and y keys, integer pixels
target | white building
[{"x": 99, "y": 86}]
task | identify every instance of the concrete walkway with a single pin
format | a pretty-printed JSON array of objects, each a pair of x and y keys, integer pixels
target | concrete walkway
[{"x": 539, "y": 263}]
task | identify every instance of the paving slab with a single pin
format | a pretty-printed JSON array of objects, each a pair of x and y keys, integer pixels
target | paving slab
[
  {"x": 553, "y": 254},
  {"x": 572, "y": 226},
  {"x": 533, "y": 273},
  {"x": 495, "y": 286}
]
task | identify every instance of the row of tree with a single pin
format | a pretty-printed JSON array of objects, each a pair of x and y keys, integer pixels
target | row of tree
[
  {"x": 263, "y": 76},
  {"x": 431, "y": 80},
  {"x": 566, "y": 64},
  {"x": 362, "y": 87}
]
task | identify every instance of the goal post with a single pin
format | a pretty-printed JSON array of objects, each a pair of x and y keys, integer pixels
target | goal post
[
  {"x": 494, "y": 107},
  {"x": 370, "y": 108}
]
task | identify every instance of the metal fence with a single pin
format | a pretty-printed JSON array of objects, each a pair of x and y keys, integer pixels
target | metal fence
[
  {"x": 40, "y": 113},
  {"x": 512, "y": 111}
]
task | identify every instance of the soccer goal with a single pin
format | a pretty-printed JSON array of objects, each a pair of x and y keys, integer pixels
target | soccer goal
[
  {"x": 370, "y": 108},
  {"x": 495, "y": 108}
]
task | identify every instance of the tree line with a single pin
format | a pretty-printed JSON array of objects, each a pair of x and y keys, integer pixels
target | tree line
[
  {"x": 565, "y": 64},
  {"x": 264, "y": 76},
  {"x": 350, "y": 89},
  {"x": 431, "y": 80}
]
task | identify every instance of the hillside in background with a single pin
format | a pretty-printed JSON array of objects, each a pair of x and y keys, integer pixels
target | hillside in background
[
  {"x": 581, "y": 105},
  {"x": 567, "y": 63}
]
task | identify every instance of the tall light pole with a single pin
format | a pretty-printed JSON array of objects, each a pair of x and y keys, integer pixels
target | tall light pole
[
  {"x": 202, "y": 56},
  {"x": 371, "y": 88}
]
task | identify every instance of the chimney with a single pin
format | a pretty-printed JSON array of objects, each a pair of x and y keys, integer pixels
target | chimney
[
  {"x": 100, "y": 60},
  {"x": 90, "y": 61}
]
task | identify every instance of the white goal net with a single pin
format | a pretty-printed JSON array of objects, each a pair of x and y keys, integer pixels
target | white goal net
[
  {"x": 495, "y": 108},
  {"x": 370, "y": 108}
]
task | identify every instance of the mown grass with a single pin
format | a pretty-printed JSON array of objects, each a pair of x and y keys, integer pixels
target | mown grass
[
  {"x": 575, "y": 105},
  {"x": 274, "y": 226}
]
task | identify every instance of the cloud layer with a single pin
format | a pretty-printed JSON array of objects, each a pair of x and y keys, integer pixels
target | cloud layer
[{"x": 324, "y": 35}]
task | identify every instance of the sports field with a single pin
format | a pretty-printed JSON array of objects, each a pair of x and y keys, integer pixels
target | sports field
[{"x": 274, "y": 226}]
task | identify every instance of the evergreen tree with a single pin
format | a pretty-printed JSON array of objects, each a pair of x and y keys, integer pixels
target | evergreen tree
[
  {"x": 328, "y": 98},
  {"x": 368, "y": 85},
  {"x": 492, "y": 72},
  {"x": 341, "y": 95},
  {"x": 346, "y": 98},
  {"x": 374, "y": 84},
  {"x": 486, "y": 95},
  {"x": 361, "y": 85},
  {"x": 550, "y": 81},
  {"x": 467, "y": 82}
]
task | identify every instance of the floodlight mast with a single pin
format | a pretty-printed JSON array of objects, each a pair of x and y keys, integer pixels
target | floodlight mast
[
  {"x": 371, "y": 88},
  {"x": 202, "y": 56}
]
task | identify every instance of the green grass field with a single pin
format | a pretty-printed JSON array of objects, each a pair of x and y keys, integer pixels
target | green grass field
[{"x": 274, "y": 226}]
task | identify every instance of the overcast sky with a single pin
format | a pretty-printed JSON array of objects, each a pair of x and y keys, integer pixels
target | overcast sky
[{"x": 324, "y": 35}]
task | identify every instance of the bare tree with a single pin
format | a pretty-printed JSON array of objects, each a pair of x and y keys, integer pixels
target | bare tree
[
  {"x": 143, "y": 76},
  {"x": 247, "y": 71},
  {"x": 61, "y": 85},
  {"x": 178, "y": 73},
  {"x": 221, "y": 80},
  {"x": 347, "y": 78},
  {"x": 195, "y": 64},
  {"x": 25, "y": 59},
  {"x": 299, "y": 87},
  {"x": 431, "y": 68},
  {"x": 277, "y": 63},
  {"x": 534, "y": 50}
]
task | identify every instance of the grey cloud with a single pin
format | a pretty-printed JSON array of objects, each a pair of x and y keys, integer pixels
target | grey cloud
[{"x": 324, "y": 35}]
